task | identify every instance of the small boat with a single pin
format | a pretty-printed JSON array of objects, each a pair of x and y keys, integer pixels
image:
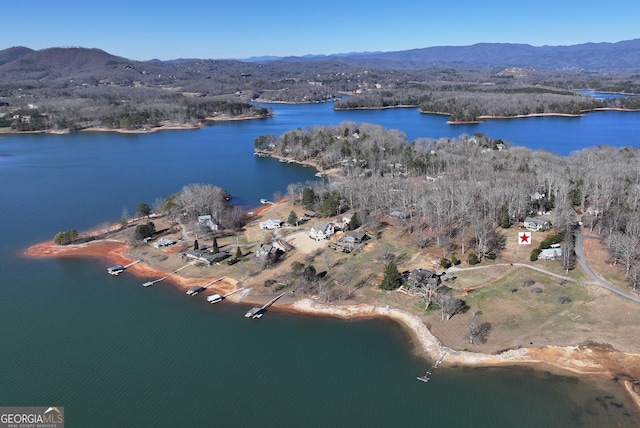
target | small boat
[
  {"x": 195, "y": 290},
  {"x": 283, "y": 160},
  {"x": 264, "y": 201},
  {"x": 214, "y": 298},
  {"x": 254, "y": 313}
]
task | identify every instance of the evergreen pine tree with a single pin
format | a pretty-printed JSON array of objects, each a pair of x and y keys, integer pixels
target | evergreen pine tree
[{"x": 392, "y": 278}]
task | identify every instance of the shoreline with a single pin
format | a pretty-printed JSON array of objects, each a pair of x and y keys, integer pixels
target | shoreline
[
  {"x": 596, "y": 361},
  {"x": 144, "y": 130}
]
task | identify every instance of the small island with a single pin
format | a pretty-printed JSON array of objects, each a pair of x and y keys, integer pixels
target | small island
[{"x": 487, "y": 253}]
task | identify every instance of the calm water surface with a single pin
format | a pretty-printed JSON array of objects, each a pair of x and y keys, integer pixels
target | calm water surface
[{"x": 116, "y": 354}]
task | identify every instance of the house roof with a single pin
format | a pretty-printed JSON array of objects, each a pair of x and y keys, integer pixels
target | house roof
[
  {"x": 206, "y": 256},
  {"x": 534, "y": 220},
  {"x": 320, "y": 225},
  {"x": 271, "y": 222},
  {"x": 399, "y": 214},
  {"x": 355, "y": 234}
]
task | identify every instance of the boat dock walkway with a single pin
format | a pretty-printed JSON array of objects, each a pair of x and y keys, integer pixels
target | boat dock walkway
[
  {"x": 216, "y": 298},
  {"x": 257, "y": 312},
  {"x": 132, "y": 263},
  {"x": 150, "y": 283},
  {"x": 427, "y": 376}
]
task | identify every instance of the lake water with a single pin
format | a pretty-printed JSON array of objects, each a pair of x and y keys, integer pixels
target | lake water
[{"x": 116, "y": 354}]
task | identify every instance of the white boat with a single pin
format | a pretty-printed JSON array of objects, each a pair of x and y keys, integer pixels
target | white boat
[
  {"x": 254, "y": 313},
  {"x": 115, "y": 270},
  {"x": 214, "y": 298},
  {"x": 264, "y": 201}
]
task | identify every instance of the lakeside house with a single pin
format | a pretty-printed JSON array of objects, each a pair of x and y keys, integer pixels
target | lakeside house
[
  {"x": 163, "y": 242},
  {"x": 346, "y": 219},
  {"x": 424, "y": 278},
  {"x": 399, "y": 214},
  {"x": 349, "y": 241},
  {"x": 205, "y": 256},
  {"x": 265, "y": 251},
  {"x": 321, "y": 231},
  {"x": 205, "y": 220},
  {"x": 271, "y": 224},
  {"x": 535, "y": 224}
]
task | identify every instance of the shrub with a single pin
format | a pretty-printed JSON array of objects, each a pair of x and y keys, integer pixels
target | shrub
[
  {"x": 472, "y": 258},
  {"x": 534, "y": 254},
  {"x": 528, "y": 282},
  {"x": 564, "y": 299},
  {"x": 536, "y": 290},
  {"x": 445, "y": 263},
  {"x": 269, "y": 282}
]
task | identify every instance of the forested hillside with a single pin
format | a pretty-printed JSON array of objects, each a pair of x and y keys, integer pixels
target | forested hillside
[
  {"x": 70, "y": 89},
  {"x": 457, "y": 194}
]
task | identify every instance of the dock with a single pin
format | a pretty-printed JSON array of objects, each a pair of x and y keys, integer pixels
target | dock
[
  {"x": 257, "y": 312},
  {"x": 215, "y": 298},
  {"x": 427, "y": 376},
  {"x": 117, "y": 269},
  {"x": 150, "y": 283}
]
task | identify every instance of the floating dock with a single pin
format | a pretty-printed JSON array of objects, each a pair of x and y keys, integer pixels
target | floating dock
[
  {"x": 427, "y": 376},
  {"x": 258, "y": 312}
]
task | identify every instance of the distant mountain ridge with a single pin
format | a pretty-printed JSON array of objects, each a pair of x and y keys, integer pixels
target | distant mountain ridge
[
  {"x": 620, "y": 56},
  {"x": 624, "y": 55}
]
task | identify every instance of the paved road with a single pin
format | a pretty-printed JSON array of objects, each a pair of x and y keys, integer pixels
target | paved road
[
  {"x": 583, "y": 264},
  {"x": 596, "y": 279}
]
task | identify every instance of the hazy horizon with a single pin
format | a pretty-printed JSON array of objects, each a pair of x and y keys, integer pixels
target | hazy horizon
[{"x": 195, "y": 29}]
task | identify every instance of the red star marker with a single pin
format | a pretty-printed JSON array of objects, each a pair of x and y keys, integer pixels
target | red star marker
[{"x": 524, "y": 238}]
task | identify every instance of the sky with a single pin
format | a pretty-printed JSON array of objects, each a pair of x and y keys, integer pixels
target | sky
[{"x": 162, "y": 29}]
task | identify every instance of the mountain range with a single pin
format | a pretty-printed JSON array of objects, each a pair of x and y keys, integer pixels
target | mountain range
[{"x": 598, "y": 57}]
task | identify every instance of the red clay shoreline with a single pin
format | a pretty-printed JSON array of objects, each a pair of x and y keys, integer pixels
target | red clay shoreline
[{"x": 573, "y": 359}]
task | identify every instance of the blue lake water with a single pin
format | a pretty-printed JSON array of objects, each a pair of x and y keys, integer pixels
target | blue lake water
[{"x": 116, "y": 354}]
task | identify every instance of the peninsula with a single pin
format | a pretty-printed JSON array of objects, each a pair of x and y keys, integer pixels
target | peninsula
[{"x": 516, "y": 276}]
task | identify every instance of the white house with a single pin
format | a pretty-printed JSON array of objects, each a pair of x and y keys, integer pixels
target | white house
[
  {"x": 321, "y": 230},
  {"x": 271, "y": 224},
  {"x": 163, "y": 242},
  {"x": 205, "y": 220},
  {"x": 535, "y": 224}
]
